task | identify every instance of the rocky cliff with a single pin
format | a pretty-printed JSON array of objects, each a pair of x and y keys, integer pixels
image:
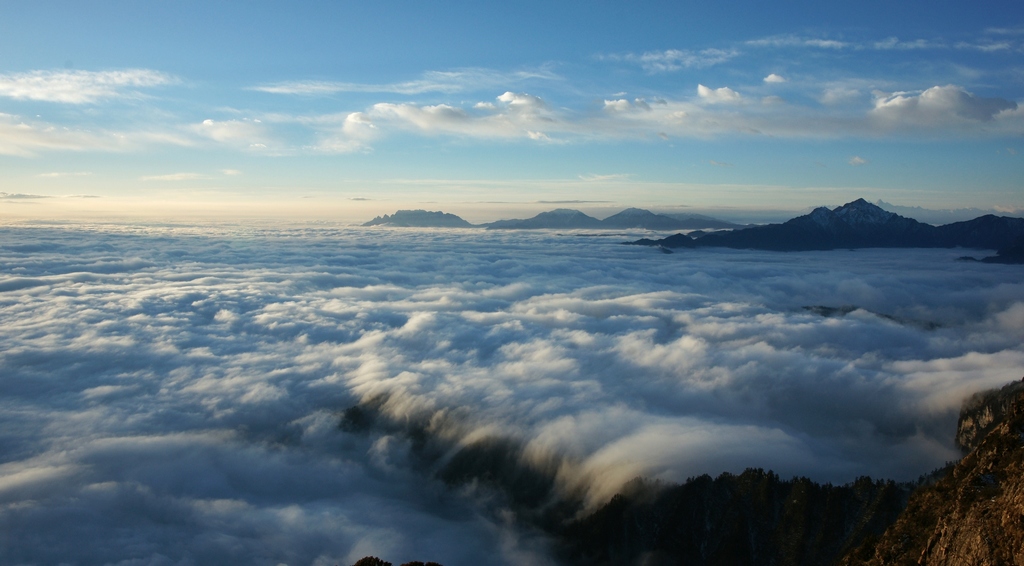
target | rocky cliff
[{"x": 974, "y": 515}]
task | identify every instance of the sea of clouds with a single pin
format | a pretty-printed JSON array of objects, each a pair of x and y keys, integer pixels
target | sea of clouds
[{"x": 173, "y": 394}]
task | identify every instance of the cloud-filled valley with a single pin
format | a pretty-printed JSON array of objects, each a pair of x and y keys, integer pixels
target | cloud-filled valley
[{"x": 173, "y": 394}]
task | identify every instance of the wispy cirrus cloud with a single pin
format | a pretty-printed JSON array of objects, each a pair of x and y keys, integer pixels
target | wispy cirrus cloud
[
  {"x": 458, "y": 80},
  {"x": 26, "y": 138},
  {"x": 595, "y": 178},
  {"x": 80, "y": 87},
  {"x": 670, "y": 60},
  {"x": 987, "y": 46},
  {"x": 59, "y": 174},
  {"x": 175, "y": 177},
  {"x": 897, "y": 43},
  {"x": 798, "y": 41},
  {"x": 20, "y": 196}
]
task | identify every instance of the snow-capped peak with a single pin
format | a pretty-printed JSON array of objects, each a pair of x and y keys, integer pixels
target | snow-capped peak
[{"x": 861, "y": 212}]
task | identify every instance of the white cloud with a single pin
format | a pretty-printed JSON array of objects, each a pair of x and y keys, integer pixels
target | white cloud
[
  {"x": 600, "y": 178},
  {"x": 839, "y": 95},
  {"x": 845, "y": 111},
  {"x": 20, "y": 196},
  {"x": 1005, "y": 31},
  {"x": 245, "y": 132},
  {"x": 896, "y": 43},
  {"x": 717, "y": 95},
  {"x": 857, "y": 161},
  {"x": 522, "y": 102},
  {"x": 185, "y": 392},
  {"x": 59, "y": 174},
  {"x": 623, "y": 105},
  {"x": 175, "y": 177},
  {"x": 773, "y": 78},
  {"x": 798, "y": 41},
  {"x": 230, "y": 172},
  {"x": 619, "y": 105},
  {"x": 675, "y": 59},
  {"x": 79, "y": 87},
  {"x": 938, "y": 106},
  {"x": 25, "y": 138},
  {"x": 458, "y": 80},
  {"x": 986, "y": 47},
  {"x": 517, "y": 115},
  {"x": 426, "y": 118}
]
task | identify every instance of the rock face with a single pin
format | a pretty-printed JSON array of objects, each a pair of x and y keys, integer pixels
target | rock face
[
  {"x": 975, "y": 515},
  {"x": 981, "y": 413}
]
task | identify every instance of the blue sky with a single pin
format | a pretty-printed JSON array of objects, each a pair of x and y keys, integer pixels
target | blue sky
[{"x": 341, "y": 109}]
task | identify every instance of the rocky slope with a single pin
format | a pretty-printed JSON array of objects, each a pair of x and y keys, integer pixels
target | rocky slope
[{"x": 974, "y": 515}]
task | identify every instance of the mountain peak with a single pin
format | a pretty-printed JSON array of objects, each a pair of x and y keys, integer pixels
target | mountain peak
[
  {"x": 861, "y": 212},
  {"x": 419, "y": 219},
  {"x": 563, "y": 212},
  {"x": 633, "y": 211}
]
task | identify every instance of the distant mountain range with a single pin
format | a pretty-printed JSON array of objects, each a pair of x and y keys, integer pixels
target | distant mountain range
[
  {"x": 419, "y": 219},
  {"x": 860, "y": 224},
  {"x": 559, "y": 219},
  {"x": 942, "y": 216}
]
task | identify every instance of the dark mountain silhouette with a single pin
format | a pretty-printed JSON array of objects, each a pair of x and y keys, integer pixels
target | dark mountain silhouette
[
  {"x": 560, "y": 218},
  {"x": 420, "y": 219},
  {"x": 374, "y": 561},
  {"x": 939, "y": 216},
  {"x": 640, "y": 218},
  {"x": 645, "y": 219},
  {"x": 1014, "y": 253},
  {"x": 631, "y": 218},
  {"x": 692, "y": 221},
  {"x": 858, "y": 224}
]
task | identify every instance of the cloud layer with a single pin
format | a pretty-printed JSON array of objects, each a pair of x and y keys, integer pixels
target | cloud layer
[
  {"x": 172, "y": 395},
  {"x": 837, "y": 112},
  {"x": 79, "y": 87}
]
